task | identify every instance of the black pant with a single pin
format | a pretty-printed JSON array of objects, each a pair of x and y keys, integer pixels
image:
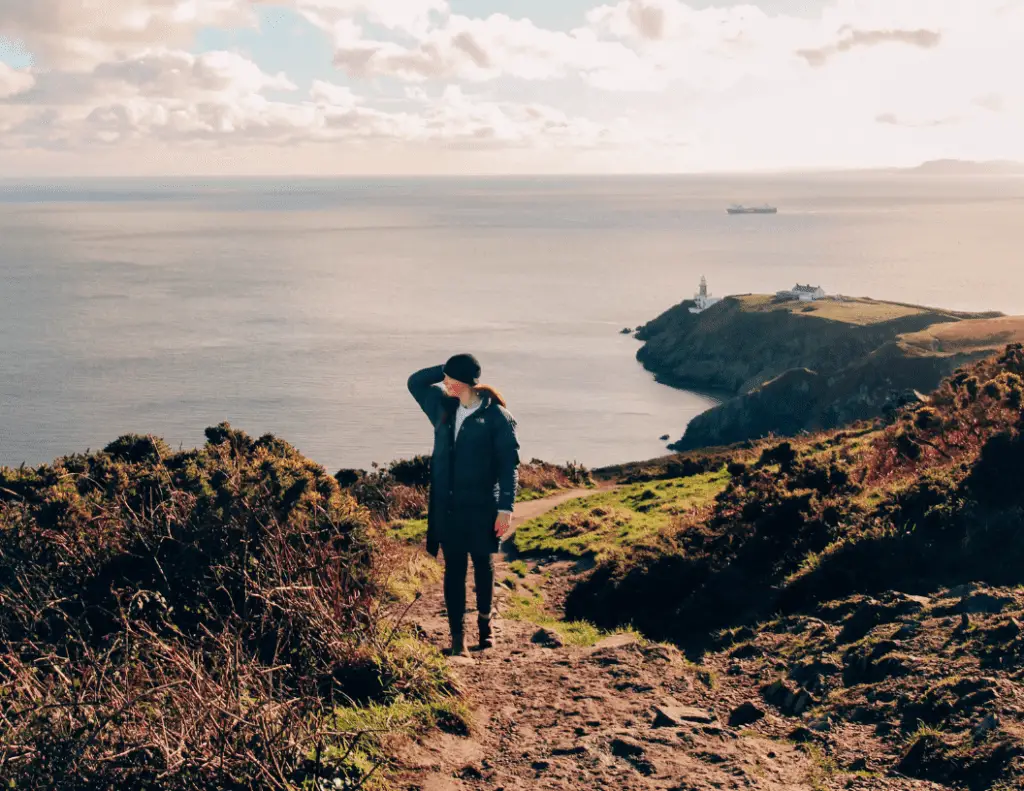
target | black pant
[{"x": 456, "y": 564}]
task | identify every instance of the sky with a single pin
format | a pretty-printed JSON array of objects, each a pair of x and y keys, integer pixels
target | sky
[{"x": 355, "y": 87}]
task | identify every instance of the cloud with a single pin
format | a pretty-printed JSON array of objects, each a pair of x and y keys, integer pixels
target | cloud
[
  {"x": 329, "y": 94},
  {"x": 892, "y": 119},
  {"x": 180, "y": 74},
  {"x": 14, "y": 81},
  {"x": 475, "y": 50},
  {"x": 403, "y": 15},
  {"x": 924, "y": 39},
  {"x": 60, "y": 33},
  {"x": 649, "y": 19},
  {"x": 991, "y": 101},
  {"x": 157, "y": 73},
  {"x": 416, "y": 76},
  {"x": 174, "y": 99}
]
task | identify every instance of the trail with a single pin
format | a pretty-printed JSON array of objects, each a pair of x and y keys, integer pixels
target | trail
[{"x": 570, "y": 717}]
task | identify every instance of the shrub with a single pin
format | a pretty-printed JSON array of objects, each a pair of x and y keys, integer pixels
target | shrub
[{"x": 186, "y": 620}]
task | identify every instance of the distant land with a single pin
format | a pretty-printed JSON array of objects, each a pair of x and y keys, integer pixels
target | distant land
[
  {"x": 806, "y": 366},
  {"x": 964, "y": 167}
]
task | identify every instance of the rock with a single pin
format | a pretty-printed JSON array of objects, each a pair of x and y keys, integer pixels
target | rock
[
  {"x": 745, "y": 714},
  {"x": 665, "y": 437},
  {"x": 809, "y": 672},
  {"x": 802, "y": 735},
  {"x": 959, "y": 591},
  {"x": 802, "y": 702},
  {"x": 670, "y": 714},
  {"x": 634, "y": 752},
  {"x": 927, "y": 757},
  {"x": 977, "y": 698},
  {"x": 990, "y": 722},
  {"x": 1005, "y": 632},
  {"x": 873, "y": 612},
  {"x": 662, "y": 654},
  {"x": 633, "y": 686},
  {"x": 548, "y": 638},
  {"x": 470, "y": 772},
  {"x": 892, "y": 667},
  {"x": 540, "y": 766},
  {"x": 746, "y": 651},
  {"x": 715, "y": 730},
  {"x": 981, "y": 602},
  {"x": 787, "y": 697},
  {"x": 876, "y": 662}
]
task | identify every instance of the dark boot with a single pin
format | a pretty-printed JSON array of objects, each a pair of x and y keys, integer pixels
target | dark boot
[
  {"x": 486, "y": 636},
  {"x": 458, "y": 647}
]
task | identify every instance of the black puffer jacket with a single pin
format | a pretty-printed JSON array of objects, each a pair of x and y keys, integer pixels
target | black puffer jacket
[{"x": 471, "y": 479}]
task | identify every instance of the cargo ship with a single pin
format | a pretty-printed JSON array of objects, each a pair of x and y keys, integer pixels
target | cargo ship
[{"x": 766, "y": 209}]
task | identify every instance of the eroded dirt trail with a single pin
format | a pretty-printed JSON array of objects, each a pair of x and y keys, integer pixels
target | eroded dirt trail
[{"x": 549, "y": 716}]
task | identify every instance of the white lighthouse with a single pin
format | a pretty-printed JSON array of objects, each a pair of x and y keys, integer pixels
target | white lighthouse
[{"x": 703, "y": 300}]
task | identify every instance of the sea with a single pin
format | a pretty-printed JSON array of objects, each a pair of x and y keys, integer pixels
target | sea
[{"x": 300, "y": 307}]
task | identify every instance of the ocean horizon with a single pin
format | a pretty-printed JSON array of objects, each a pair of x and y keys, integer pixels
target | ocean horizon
[{"x": 300, "y": 306}]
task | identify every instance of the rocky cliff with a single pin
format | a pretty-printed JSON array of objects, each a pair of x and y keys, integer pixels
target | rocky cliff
[{"x": 797, "y": 366}]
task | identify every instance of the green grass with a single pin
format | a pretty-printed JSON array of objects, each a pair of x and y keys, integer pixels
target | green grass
[
  {"x": 530, "y": 608},
  {"x": 410, "y": 531},
  {"x": 536, "y": 494},
  {"x": 823, "y": 768},
  {"x": 377, "y": 722},
  {"x": 854, "y": 311},
  {"x": 419, "y": 572},
  {"x": 519, "y": 568},
  {"x": 605, "y": 522},
  {"x": 424, "y": 700}
]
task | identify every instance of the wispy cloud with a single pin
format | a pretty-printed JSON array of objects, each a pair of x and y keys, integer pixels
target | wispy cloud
[
  {"x": 925, "y": 39},
  {"x": 892, "y": 119}
]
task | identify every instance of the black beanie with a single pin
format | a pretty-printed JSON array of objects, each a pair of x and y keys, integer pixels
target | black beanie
[{"x": 464, "y": 368}]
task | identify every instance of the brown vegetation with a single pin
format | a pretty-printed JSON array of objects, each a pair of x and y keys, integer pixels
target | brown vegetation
[
  {"x": 189, "y": 620},
  {"x": 930, "y": 503}
]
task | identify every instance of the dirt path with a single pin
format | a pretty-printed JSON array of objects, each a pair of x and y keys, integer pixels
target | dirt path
[{"x": 567, "y": 717}]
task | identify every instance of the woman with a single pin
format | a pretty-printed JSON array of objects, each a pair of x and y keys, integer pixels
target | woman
[{"x": 474, "y": 478}]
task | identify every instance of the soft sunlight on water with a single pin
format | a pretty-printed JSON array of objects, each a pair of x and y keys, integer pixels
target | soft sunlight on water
[{"x": 300, "y": 308}]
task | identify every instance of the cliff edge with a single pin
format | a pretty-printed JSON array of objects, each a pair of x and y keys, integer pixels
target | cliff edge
[{"x": 794, "y": 366}]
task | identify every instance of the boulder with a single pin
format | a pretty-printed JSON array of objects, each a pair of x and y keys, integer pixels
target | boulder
[
  {"x": 787, "y": 697},
  {"x": 983, "y": 602},
  {"x": 548, "y": 638},
  {"x": 991, "y": 722},
  {"x": 669, "y": 713},
  {"x": 745, "y": 714}
]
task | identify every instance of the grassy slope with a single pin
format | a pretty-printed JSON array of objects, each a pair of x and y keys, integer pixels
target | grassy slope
[
  {"x": 928, "y": 505},
  {"x": 856, "y": 311},
  {"x": 965, "y": 337},
  {"x": 626, "y": 517}
]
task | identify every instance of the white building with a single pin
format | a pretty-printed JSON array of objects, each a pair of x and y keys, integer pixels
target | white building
[
  {"x": 703, "y": 300},
  {"x": 806, "y": 293}
]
